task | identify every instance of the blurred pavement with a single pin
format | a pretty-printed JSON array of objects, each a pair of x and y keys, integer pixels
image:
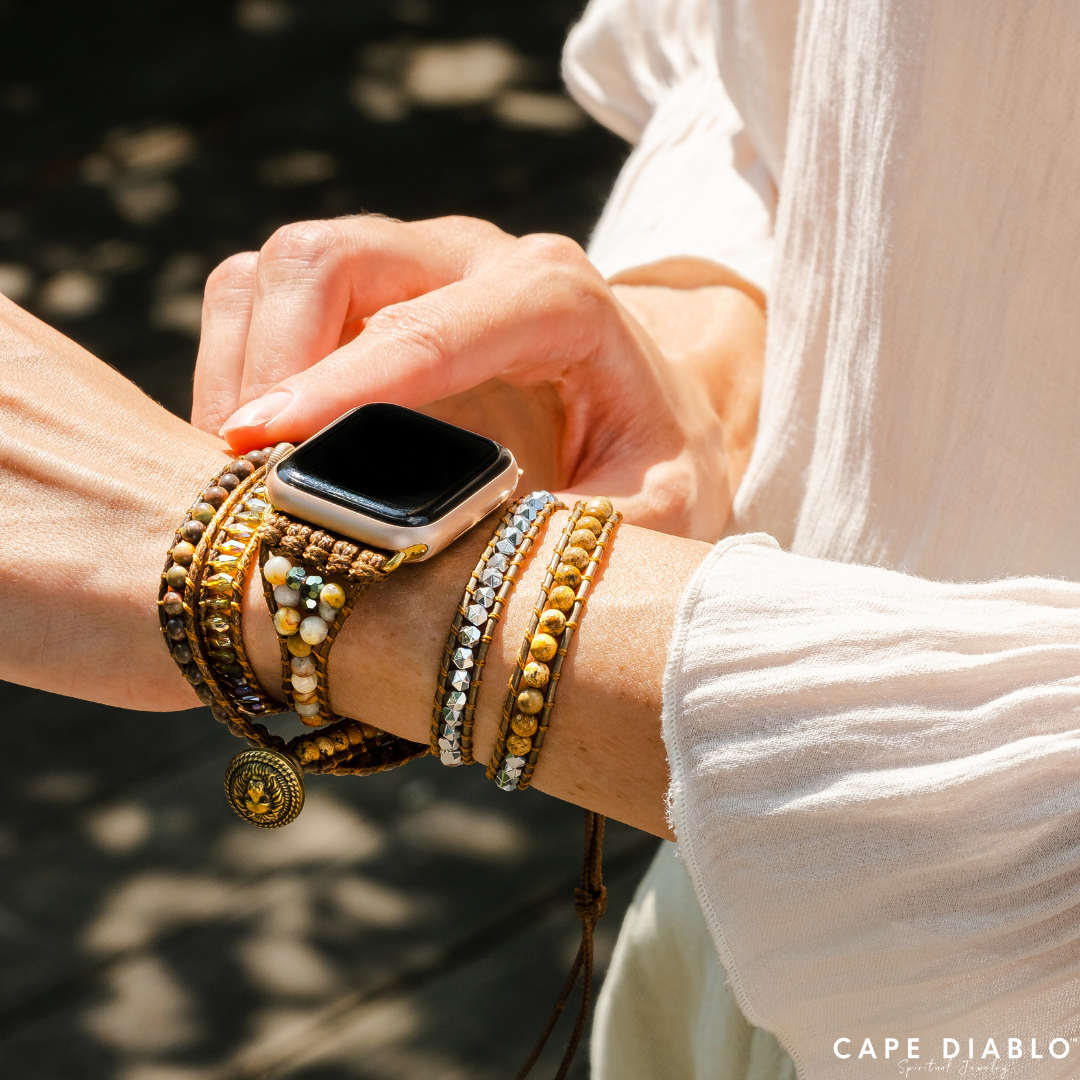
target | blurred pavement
[{"x": 413, "y": 925}]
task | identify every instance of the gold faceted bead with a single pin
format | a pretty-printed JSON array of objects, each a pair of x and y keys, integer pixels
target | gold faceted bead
[
  {"x": 518, "y": 745},
  {"x": 599, "y": 508},
  {"x": 536, "y": 674},
  {"x": 562, "y": 597},
  {"x": 587, "y": 521},
  {"x": 530, "y": 701},
  {"x": 523, "y": 725},
  {"x": 576, "y": 556},
  {"x": 582, "y": 538},
  {"x": 298, "y": 646},
  {"x": 552, "y": 622},
  {"x": 543, "y": 647},
  {"x": 568, "y": 574}
]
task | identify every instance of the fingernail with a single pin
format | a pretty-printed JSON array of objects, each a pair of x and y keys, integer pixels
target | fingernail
[{"x": 258, "y": 412}]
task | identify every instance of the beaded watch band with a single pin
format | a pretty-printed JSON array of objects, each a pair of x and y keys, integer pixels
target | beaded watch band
[
  {"x": 526, "y": 713},
  {"x": 465, "y": 652},
  {"x": 312, "y": 579}
]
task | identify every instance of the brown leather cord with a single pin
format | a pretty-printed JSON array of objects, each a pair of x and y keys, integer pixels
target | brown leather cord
[{"x": 590, "y": 902}]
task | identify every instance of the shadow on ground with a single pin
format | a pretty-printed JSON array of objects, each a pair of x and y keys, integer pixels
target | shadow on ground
[{"x": 416, "y": 924}]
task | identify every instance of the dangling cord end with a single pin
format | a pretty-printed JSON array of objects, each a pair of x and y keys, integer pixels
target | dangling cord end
[{"x": 590, "y": 902}]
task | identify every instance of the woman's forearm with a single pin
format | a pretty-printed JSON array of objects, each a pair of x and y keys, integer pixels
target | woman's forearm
[{"x": 604, "y": 750}]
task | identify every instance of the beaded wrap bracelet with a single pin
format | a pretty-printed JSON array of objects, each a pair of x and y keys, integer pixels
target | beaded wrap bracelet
[
  {"x": 526, "y": 715},
  {"x": 465, "y": 652},
  {"x": 209, "y": 663}
]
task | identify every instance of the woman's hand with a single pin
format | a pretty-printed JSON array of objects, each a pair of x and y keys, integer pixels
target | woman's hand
[{"x": 520, "y": 339}]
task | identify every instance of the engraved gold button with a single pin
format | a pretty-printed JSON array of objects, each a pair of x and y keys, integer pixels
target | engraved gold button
[{"x": 265, "y": 788}]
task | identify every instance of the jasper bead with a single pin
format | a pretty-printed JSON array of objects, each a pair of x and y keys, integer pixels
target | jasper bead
[
  {"x": 305, "y": 699},
  {"x": 287, "y": 621},
  {"x": 524, "y": 725},
  {"x": 276, "y": 570},
  {"x": 576, "y": 556},
  {"x": 257, "y": 458},
  {"x": 298, "y": 646},
  {"x": 242, "y": 468},
  {"x": 176, "y": 577},
  {"x": 215, "y": 496},
  {"x": 339, "y": 740},
  {"x": 306, "y": 752},
  {"x": 202, "y": 512},
  {"x": 518, "y": 745},
  {"x": 309, "y": 709},
  {"x": 586, "y": 521},
  {"x": 568, "y": 574},
  {"x": 356, "y": 736},
  {"x": 326, "y": 747},
  {"x": 599, "y": 508},
  {"x": 183, "y": 553},
  {"x": 333, "y": 596},
  {"x": 313, "y": 630},
  {"x": 304, "y": 684},
  {"x": 192, "y": 531},
  {"x": 173, "y": 603},
  {"x": 229, "y": 481},
  {"x": 302, "y": 665},
  {"x": 582, "y": 538},
  {"x": 552, "y": 622},
  {"x": 175, "y": 629},
  {"x": 326, "y": 612},
  {"x": 530, "y": 701},
  {"x": 562, "y": 597},
  {"x": 536, "y": 674},
  {"x": 285, "y": 596},
  {"x": 543, "y": 647}
]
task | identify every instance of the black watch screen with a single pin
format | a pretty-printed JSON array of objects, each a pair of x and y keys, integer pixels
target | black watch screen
[{"x": 394, "y": 464}]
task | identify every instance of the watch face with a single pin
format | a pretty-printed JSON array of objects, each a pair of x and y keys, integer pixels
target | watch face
[{"x": 394, "y": 464}]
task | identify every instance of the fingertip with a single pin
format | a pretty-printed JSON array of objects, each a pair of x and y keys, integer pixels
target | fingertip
[{"x": 247, "y": 426}]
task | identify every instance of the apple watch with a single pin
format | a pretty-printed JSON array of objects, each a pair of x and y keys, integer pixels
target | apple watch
[{"x": 394, "y": 478}]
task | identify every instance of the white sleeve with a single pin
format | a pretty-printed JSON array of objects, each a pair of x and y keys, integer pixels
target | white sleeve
[
  {"x": 876, "y": 792},
  {"x": 694, "y": 183}
]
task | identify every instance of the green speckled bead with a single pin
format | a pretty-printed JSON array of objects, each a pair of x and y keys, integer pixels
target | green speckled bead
[
  {"x": 176, "y": 577},
  {"x": 202, "y": 512}
]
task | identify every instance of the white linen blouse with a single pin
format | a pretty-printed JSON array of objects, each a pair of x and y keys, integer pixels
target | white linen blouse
[{"x": 872, "y": 702}]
